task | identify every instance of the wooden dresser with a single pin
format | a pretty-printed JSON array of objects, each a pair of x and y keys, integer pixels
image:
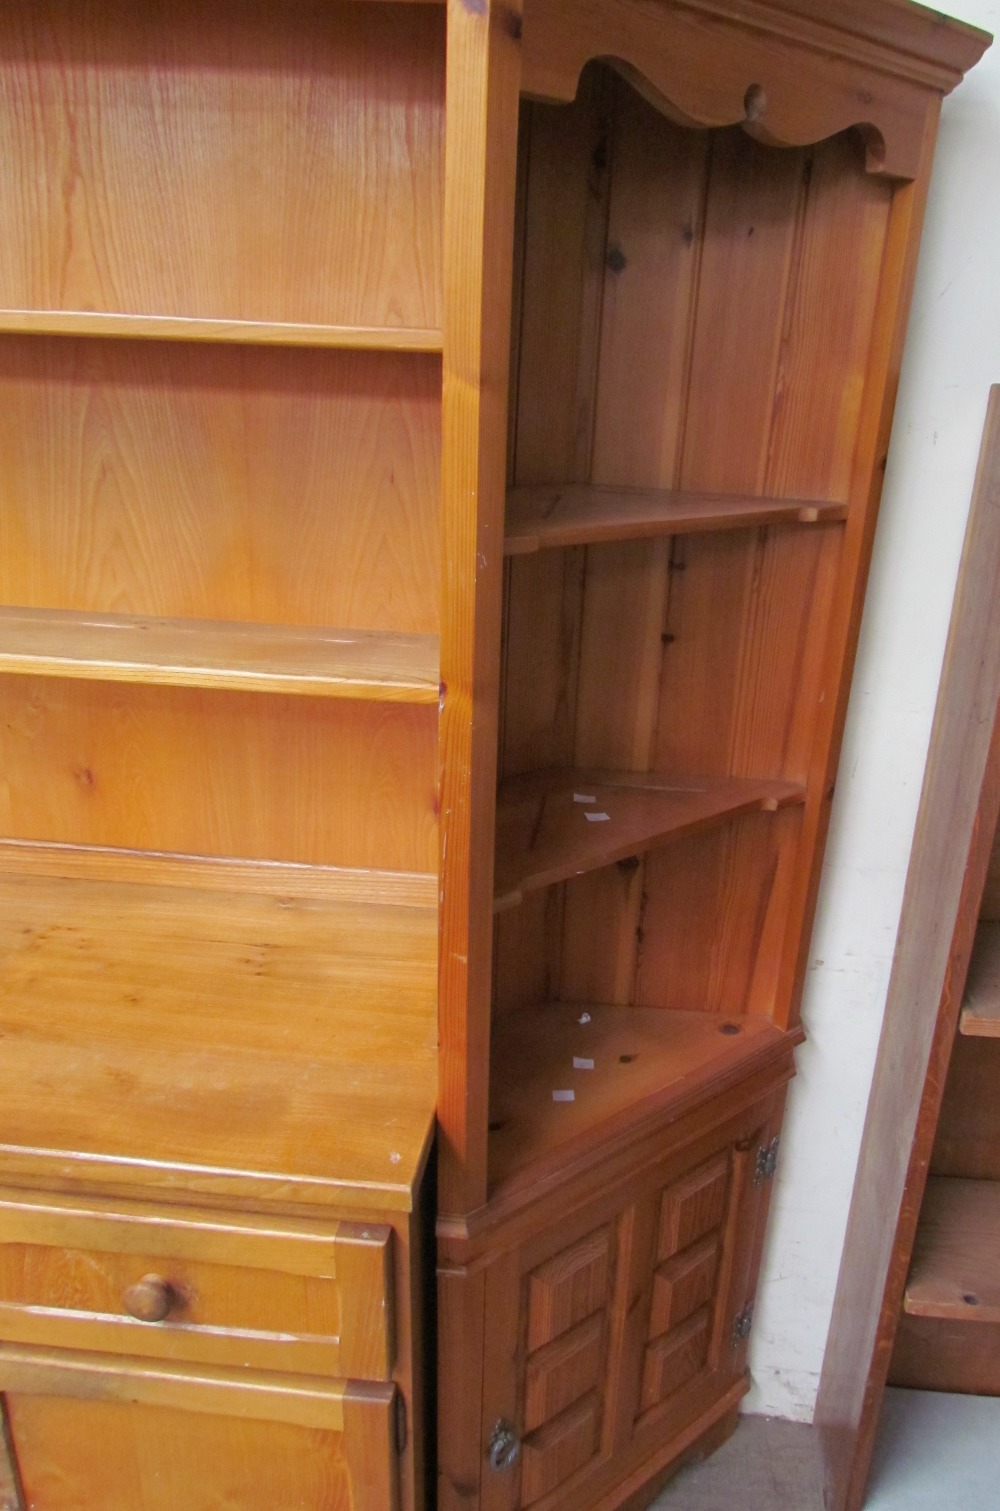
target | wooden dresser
[{"x": 399, "y": 713}]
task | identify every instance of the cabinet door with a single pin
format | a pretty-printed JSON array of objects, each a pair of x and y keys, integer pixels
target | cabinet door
[
  {"x": 613, "y": 1333},
  {"x": 86, "y": 1435}
]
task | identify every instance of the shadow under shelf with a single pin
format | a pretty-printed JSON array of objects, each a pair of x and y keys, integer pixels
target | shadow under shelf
[{"x": 559, "y": 823}]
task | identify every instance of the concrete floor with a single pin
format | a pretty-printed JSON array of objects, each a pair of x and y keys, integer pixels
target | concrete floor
[{"x": 935, "y": 1453}]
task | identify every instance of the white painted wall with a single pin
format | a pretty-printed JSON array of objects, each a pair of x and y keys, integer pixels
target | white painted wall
[{"x": 952, "y": 357}]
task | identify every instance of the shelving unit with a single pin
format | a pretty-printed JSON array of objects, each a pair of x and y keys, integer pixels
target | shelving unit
[
  {"x": 221, "y": 299},
  {"x": 707, "y": 292},
  {"x": 292, "y": 296},
  {"x": 915, "y": 1301}
]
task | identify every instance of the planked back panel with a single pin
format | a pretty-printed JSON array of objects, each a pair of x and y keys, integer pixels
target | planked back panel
[{"x": 691, "y": 284}]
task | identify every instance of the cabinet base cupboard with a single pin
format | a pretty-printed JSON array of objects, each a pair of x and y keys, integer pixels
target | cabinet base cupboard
[{"x": 439, "y": 454}]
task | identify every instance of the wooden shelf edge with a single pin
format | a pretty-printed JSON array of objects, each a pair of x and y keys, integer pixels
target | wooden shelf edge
[
  {"x": 578, "y": 514},
  {"x": 955, "y": 1273},
  {"x": 415, "y": 889},
  {"x": 242, "y": 657},
  {"x": 555, "y": 825},
  {"x": 240, "y": 332}
]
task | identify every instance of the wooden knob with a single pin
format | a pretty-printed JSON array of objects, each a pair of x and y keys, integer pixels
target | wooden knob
[{"x": 150, "y": 1299}]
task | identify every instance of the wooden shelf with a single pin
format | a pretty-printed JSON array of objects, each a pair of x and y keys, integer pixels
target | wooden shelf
[
  {"x": 577, "y": 514},
  {"x": 955, "y": 1272},
  {"x": 981, "y": 1008},
  {"x": 239, "y": 1045},
  {"x": 646, "y": 1062},
  {"x": 556, "y": 824},
  {"x": 320, "y": 662},
  {"x": 246, "y": 332}
]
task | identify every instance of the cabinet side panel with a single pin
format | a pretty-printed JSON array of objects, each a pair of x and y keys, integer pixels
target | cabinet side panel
[{"x": 242, "y": 161}]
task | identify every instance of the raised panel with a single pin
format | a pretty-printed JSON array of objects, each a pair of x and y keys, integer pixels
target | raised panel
[
  {"x": 79, "y": 1454},
  {"x": 562, "y": 1371},
  {"x": 682, "y": 1285},
  {"x": 559, "y": 1449},
  {"x": 568, "y": 1288},
  {"x": 693, "y": 1206},
  {"x": 672, "y": 1361}
]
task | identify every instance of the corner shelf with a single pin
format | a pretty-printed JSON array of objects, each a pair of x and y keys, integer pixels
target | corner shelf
[
  {"x": 646, "y": 1061},
  {"x": 955, "y": 1273},
  {"x": 981, "y": 1008},
  {"x": 556, "y": 824},
  {"x": 246, "y": 332},
  {"x": 578, "y": 514},
  {"x": 315, "y": 661},
  {"x": 260, "y": 1044}
]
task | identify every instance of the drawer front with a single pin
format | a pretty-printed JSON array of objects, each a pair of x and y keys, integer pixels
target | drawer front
[
  {"x": 87, "y": 1434},
  {"x": 179, "y": 1284}
]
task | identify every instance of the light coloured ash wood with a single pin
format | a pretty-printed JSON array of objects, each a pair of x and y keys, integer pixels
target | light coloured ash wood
[
  {"x": 220, "y": 482},
  {"x": 257, "y": 1438},
  {"x": 700, "y": 67},
  {"x": 554, "y": 825},
  {"x": 580, "y": 514},
  {"x": 249, "y": 657},
  {"x": 483, "y": 83},
  {"x": 243, "y": 332},
  {"x": 333, "y": 781},
  {"x": 274, "y": 878},
  {"x": 955, "y": 1270},
  {"x": 646, "y": 1060},
  {"x": 181, "y": 163},
  {"x": 269, "y": 1048},
  {"x": 237, "y": 1291},
  {"x": 980, "y": 1014}
]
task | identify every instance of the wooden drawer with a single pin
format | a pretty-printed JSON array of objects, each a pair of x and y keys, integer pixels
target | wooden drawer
[
  {"x": 183, "y": 1284},
  {"x": 86, "y": 1433}
]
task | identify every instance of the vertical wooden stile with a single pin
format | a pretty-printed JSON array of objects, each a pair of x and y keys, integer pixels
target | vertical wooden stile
[
  {"x": 483, "y": 78},
  {"x": 899, "y": 264}
]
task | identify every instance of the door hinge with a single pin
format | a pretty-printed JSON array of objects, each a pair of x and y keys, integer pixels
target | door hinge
[
  {"x": 400, "y": 1409},
  {"x": 742, "y": 1323},
  {"x": 767, "y": 1161}
]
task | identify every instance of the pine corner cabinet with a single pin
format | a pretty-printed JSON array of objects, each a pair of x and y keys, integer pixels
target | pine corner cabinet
[{"x": 439, "y": 456}]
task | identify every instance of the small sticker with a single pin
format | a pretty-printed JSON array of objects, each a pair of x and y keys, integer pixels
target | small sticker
[
  {"x": 581, "y": 797},
  {"x": 583, "y": 1018},
  {"x": 394, "y": 1159},
  {"x": 564, "y": 1096},
  {"x": 597, "y": 818},
  {"x": 579, "y": 1063}
]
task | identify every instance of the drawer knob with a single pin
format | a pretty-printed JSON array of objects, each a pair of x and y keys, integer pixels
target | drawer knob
[{"x": 150, "y": 1299}]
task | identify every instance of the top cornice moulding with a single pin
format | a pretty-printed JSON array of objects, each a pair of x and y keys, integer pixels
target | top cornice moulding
[
  {"x": 791, "y": 72},
  {"x": 910, "y": 40}
]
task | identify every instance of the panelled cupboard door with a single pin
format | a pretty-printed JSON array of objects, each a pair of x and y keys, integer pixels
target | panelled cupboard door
[
  {"x": 610, "y": 1335},
  {"x": 116, "y": 1438}
]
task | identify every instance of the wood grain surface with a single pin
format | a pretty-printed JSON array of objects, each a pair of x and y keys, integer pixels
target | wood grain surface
[
  {"x": 182, "y": 162},
  {"x": 246, "y": 657},
  {"x": 220, "y": 483},
  {"x": 264, "y": 1047}
]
